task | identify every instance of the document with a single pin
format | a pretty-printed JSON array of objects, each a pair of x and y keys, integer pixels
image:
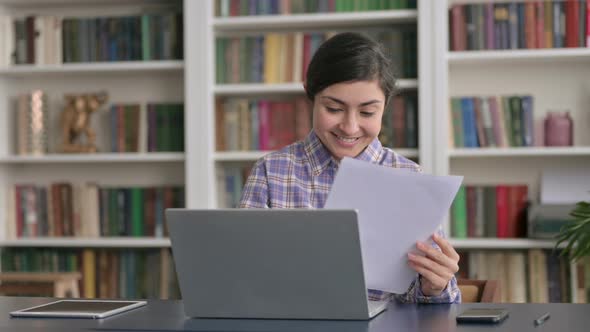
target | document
[{"x": 396, "y": 208}]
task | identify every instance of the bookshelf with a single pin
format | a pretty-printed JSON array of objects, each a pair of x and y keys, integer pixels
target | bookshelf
[
  {"x": 149, "y": 81},
  {"x": 212, "y": 26},
  {"x": 162, "y": 67},
  {"x": 557, "y": 79}
]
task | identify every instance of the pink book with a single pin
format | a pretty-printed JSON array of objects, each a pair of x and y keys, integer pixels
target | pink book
[
  {"x": 302, "y": 117},
  {"x": 458, "y": 28},
  {"x": 263, "y": 125},
  {"x": 502, "y": 214}
]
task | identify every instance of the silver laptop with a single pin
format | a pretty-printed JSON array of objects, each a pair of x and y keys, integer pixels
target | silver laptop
[{"x": 265, "y": 263}]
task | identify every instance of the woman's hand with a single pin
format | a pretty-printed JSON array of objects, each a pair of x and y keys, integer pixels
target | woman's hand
[{"x": 437, "y": 268}]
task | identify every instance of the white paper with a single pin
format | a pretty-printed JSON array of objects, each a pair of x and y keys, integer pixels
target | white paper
[
  {"x": 396, "y": 208},
  {"x": 565, "y": 185}
]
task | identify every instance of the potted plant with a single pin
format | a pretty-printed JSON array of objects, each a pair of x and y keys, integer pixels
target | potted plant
[{"x": 576, "y": 234}]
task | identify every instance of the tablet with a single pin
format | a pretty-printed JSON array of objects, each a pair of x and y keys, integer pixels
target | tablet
[{"x": 79, "y": 308}]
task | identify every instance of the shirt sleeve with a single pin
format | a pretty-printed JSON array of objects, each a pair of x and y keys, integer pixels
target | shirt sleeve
[
  {"x": 255, "y": 192},
  {"x": 451, "y": 293}
]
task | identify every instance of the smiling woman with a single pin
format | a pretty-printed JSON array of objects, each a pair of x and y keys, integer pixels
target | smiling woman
[
  {"x": 347, "y": 117},
  {"x": 350, "y": 83}
]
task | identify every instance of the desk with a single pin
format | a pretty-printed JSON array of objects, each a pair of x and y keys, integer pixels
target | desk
[{"x": 169, "y": 316}]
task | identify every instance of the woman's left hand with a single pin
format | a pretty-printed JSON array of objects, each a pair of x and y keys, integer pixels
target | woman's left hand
[{"x": 437, "y": 268}]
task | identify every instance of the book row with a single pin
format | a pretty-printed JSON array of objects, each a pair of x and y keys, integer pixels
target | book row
[
  {"x": 155, "y": 127},
  {"x": 106, "y": 273},
  {"x": 225, "y": 8},
  {"x": 66, "y": 209},
  {"x": 284, "y": 57},
  {"x": 151, "y": 127},
  {"x": 230, "y": 183},
  {"x": 492, "y": 121},
  {"x": 519, "y": 25},
  {"x": 244, "y": 124},
  {"x": 45, "y": 40},
  {"x": 490, "y": 211},
  {"x": 399, "y": 127},
  {"x": 532, "y": 276},
  {"x": 263, "y": 125}
]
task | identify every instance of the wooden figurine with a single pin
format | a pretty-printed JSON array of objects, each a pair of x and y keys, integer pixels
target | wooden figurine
[{"x": 75, "y": 122}]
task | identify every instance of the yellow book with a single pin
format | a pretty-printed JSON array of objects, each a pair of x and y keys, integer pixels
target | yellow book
[
  {"x": 89, "y": 273},
  {"x": 272, "y": 43}
]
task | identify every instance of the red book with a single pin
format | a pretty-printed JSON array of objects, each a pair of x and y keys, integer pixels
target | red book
[
  {"x": 517, "y": 202},
  {"x": 263, "y": 125},
  {"x": 19, "y": 210},
  {"x": 287, "y": 133},
  {"x": 458, "y": 28},
  {"x": 502, "y": 213},
  {"x": 572, "y": 15},
  {"x": 530, "y": 25},
  {"x": 399, "y": 121},
  {"x": 56, "y": 199},
  {"x": 149, "y": 211},
  {"x": 302, "y": 117},
  {"x": 234, "y": 8},
  {"x": 120, "y": 128}
]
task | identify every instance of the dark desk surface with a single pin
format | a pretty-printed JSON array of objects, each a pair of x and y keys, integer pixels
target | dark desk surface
[{"x": 169, "y": 316}]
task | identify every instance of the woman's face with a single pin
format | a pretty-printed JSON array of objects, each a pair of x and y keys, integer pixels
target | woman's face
[{"x": 347, "y": 116}]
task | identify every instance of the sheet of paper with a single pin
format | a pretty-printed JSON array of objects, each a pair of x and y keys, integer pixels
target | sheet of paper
[
  {"x": 565, "y": 185},
  {"x": 396, "y": 208}
]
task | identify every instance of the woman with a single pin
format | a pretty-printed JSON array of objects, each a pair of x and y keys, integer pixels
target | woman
[{"x": 350, "y": 83}]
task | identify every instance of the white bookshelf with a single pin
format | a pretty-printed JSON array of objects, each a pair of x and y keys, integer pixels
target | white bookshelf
[
  {"x": 558, "y": 79},
  {"x": 156, "y": 67},
  {"x": 514, "y": 56},
  {"x": 208, "y": 26},
  {"x": 80, "y": 242},
  {"x": 497, "y": 244},
  {"x": 254, "y": 155},
  {"x": 520, "y": 152},
  {"x": 125, "y": 82},
  {"x": 283, "y": 88},
  {"x": 129, "y": 157},
  {"x": 314, "y": 20}
]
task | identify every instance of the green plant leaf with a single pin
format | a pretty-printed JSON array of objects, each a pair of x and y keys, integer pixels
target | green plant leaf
[{"x": 576, "y": 235}]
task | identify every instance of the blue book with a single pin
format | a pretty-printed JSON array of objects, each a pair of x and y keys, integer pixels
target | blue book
[
  {"x": 528, "y": 126},
  {"x": 513, "y": 25},
  {"x": 469, "y": 126}
]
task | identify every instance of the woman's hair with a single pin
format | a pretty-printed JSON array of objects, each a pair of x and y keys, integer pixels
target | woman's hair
[{"x": 349, "y": 57}]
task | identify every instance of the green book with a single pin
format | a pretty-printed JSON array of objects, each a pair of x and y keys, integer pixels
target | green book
[
  {"x": 517, "y": 127},
  {"x": 459, "y": 215},
  {"x": 507, "y": 120},
  {"x": 145, "y": 37},
  {"x": 457, "y": 116},
  {"x": 220, "y": 66},
  {"x": 137, "y": 212}
]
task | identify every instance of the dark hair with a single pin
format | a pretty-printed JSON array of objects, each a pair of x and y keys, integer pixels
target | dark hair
[{"x": 349, "y": 57}]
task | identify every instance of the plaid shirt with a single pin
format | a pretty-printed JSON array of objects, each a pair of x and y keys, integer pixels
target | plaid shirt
[{"x": 301, "y": 175}]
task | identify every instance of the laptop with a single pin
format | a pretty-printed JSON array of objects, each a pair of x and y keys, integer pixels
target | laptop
[{"x": 270, "y": 263}]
